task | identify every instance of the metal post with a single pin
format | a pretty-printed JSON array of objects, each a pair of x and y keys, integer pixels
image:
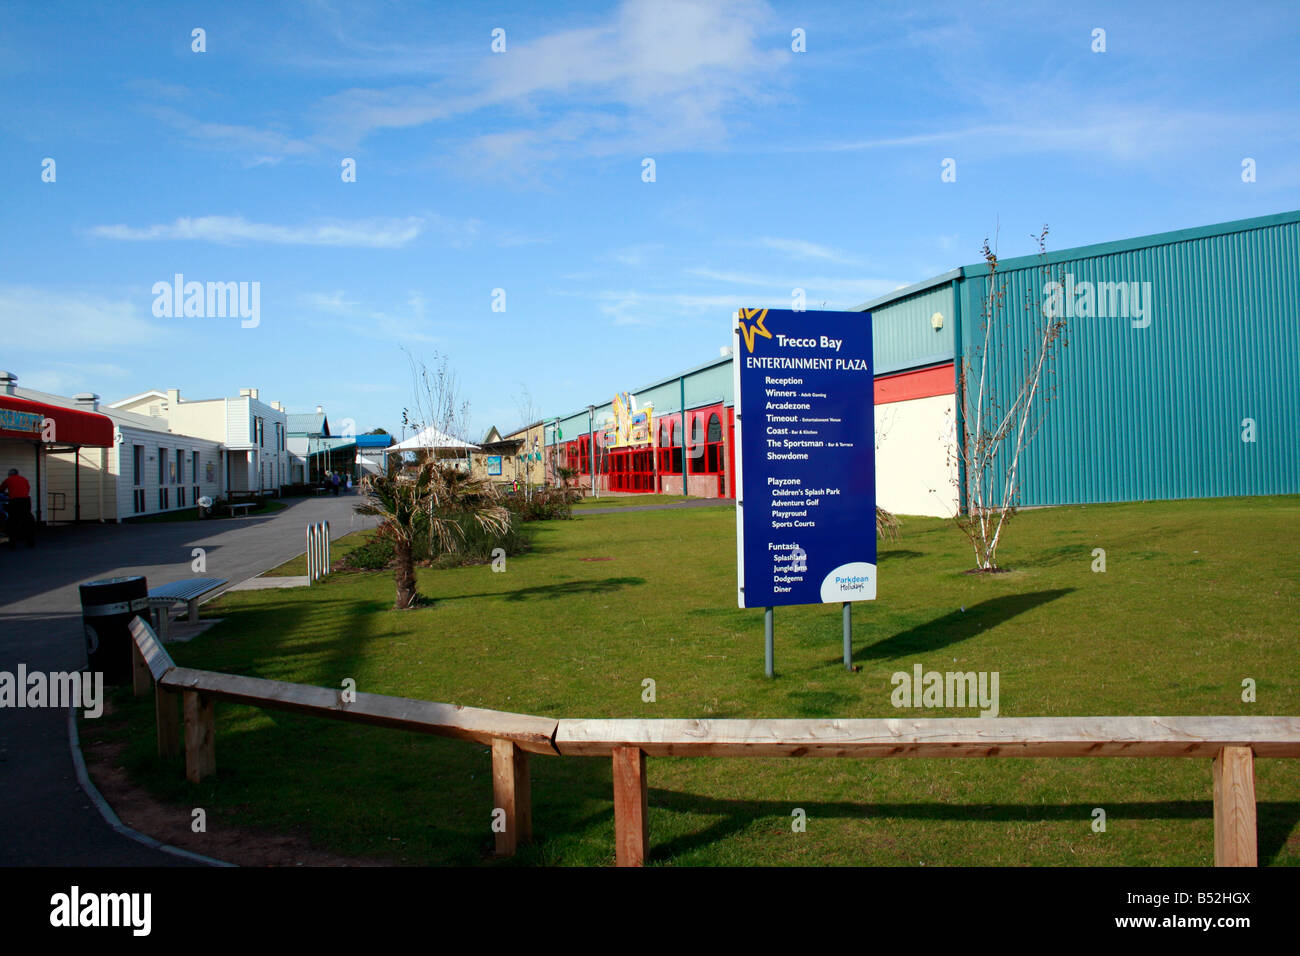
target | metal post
[
  {"x": 326, "y": 568},
  {"x": 591, "y": 445},
  {"x": 848, "y": 636},
  {"x": 769, "y": 652}
]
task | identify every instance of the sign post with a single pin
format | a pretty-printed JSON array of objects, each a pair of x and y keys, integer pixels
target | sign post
[{"x": 805, "y": 463}]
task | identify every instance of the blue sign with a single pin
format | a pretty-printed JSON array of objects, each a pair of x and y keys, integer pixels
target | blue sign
[
  {"x": 806, "y": 462},
  {"x": 494, "y": 464}
]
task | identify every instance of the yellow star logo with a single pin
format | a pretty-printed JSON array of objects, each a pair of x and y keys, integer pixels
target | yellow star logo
[{"x": 749, "y": 332}]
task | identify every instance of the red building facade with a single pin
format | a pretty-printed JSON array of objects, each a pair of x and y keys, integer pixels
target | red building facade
[{"x": 697, "y": 459}]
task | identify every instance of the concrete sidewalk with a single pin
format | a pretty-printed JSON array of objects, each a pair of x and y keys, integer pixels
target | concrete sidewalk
[{"x": 46, "y": 819}]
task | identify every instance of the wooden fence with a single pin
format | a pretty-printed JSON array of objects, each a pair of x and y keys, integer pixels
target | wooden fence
[{"x": 1232, "y": 743}]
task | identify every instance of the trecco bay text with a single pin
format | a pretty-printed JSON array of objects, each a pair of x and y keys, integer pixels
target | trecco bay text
[{"x": 819, "y": 364}]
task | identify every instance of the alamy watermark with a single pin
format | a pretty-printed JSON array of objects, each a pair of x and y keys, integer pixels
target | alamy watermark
[
  {"x": 59, "y": 689},
  {"x": 212, "y": 300},
  {"x": 923, "y": 688},
  {"x": 77, "y": 909},
  {"x": 1084, "y": 299}
]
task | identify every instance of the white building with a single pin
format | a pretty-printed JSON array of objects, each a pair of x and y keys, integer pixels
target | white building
[
  {"x": 147, "y": 469},
  {"x": 252, "y": 432}
]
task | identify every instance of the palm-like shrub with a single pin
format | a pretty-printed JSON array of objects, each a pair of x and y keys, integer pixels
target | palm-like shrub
[{"x": 430, "y": 503}]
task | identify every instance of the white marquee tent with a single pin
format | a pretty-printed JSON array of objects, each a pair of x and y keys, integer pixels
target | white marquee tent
[{"x": 443, "y": 445}]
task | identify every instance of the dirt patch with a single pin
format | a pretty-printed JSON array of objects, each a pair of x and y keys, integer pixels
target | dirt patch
[{"x": 172, "y": 825}]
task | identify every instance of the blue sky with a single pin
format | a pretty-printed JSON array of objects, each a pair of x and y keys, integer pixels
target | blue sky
[{"x": 522, "y": 171}]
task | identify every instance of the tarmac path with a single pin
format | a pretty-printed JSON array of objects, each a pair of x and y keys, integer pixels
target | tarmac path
[{"x": 46, "y": 818}]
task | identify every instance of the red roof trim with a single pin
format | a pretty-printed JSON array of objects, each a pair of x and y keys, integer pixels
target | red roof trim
[
  {"x": 25, "y": 420},
  {"x": 922, "y": 383}
]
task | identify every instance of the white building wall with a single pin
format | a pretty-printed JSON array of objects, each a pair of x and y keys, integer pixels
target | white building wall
[
  {"x": 208, "y": 483},
  {"x": 916, "y": 469}
]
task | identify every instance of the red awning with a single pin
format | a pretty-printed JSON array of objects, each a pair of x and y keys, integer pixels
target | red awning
[{"x": 24, "y": 419}]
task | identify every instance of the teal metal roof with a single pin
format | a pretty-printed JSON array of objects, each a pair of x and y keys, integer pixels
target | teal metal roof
[
  {"x": 312, "y": 424},
  {"x": 317, "y": 446},
  {"x": 1084, "y": 252}
]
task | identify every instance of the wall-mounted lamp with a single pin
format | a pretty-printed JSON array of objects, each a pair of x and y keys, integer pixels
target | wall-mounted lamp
[{"x": 936, "y": 321}]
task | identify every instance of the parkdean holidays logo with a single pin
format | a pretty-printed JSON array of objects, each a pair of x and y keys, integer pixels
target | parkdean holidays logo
[{"x": 757, "y": 317}]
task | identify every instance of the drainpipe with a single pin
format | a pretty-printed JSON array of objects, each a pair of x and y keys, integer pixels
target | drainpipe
[
  {"x": 591, "y": 445},
  {"x": 681, "y": 385},
  {"x": 37, "y": 448},
  {"x": 959, "y": 425}
]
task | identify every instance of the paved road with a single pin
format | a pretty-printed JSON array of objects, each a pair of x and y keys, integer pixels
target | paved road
[{"x": 45, "y": 817}]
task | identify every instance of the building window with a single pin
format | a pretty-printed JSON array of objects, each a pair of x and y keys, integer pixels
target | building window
[
  {"x": 670, "y": 452},
  {"x": 696, "y": 449},
  {"x": 180, "y": 466},
  {"x": 706, "y": 445},
  {"x": 137, "y": 462},
  {"x": 163, "y": 459}
]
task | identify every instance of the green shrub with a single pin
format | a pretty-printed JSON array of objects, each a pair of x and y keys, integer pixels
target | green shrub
[
  {"x": 374, "y": 555},
  {"x": 475, "y": 545},
  {"x": 545, "y": 504}
]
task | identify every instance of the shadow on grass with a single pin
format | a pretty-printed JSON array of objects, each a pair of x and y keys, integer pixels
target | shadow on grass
[
  {"x": 1275, "y": 820},
  {"x": 819, "y": 703},
  {"x": 551, "y": 591},
  {"x": 899, "y": 555},
  {"x": 958, "y": 625}
]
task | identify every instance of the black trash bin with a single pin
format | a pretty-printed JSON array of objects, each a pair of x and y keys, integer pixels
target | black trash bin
[{"x": 107, "y": 608}]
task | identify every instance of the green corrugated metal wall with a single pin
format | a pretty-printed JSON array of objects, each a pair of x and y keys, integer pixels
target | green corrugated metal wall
[
  {"x": 903, "y": 336},
  {"x": 1156, "y": 412}
]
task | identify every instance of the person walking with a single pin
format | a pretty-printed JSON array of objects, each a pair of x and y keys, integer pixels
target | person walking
[
  {"x": 18, "y": 520},
  {"x": 334, "y": 482}
]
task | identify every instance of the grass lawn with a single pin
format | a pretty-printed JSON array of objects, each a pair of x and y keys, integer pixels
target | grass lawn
[
  {"x": 1196, "y": 596},
  {"x": 622, "y": 501}
]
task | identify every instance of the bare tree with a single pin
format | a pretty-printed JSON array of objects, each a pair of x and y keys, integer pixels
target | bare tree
[
  {"x": 437, "y": 402},
  {"x": 528, "y": 415},
  {"x": 996, "y": 432},
  {"x": 887, "y": 523}
]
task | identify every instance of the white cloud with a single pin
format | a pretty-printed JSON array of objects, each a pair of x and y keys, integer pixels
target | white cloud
[
  {"x": 407, "y": 323},
  {"x": 813, "y": 286},
  {"x": 51, "y": 319},
  {"x": 336, "y": 302},
  {"x": 802, "y": 249},
  {"x": 658, "y": 74},
  {"x": 370, "y": 233},
  {"x": 637, "y": 255},
  {"x": 260, "y": 145},
  {"x": 633, "y": 307},
  {"x": 69, "y": 378}
]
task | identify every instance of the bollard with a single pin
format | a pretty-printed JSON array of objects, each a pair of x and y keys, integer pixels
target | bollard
[{"x": 318, "y": 551}]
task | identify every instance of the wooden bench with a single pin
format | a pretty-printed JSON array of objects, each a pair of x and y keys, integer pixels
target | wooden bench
[
  {"x": 1232, "y": 743},
  {"x": 188, "y": 591},
  {"x": 234, "y": 506}
]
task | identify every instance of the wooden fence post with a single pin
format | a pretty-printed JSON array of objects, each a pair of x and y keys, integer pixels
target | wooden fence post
[
  {"x": 512, "y": 793},
  {"x": 1235, "y": 840},
  {"x": 168, "y": 717},
  {"x": 200, "y": 733},
  {"x": 631, "y": 828},
  {"x": 141, "y": 677}
]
